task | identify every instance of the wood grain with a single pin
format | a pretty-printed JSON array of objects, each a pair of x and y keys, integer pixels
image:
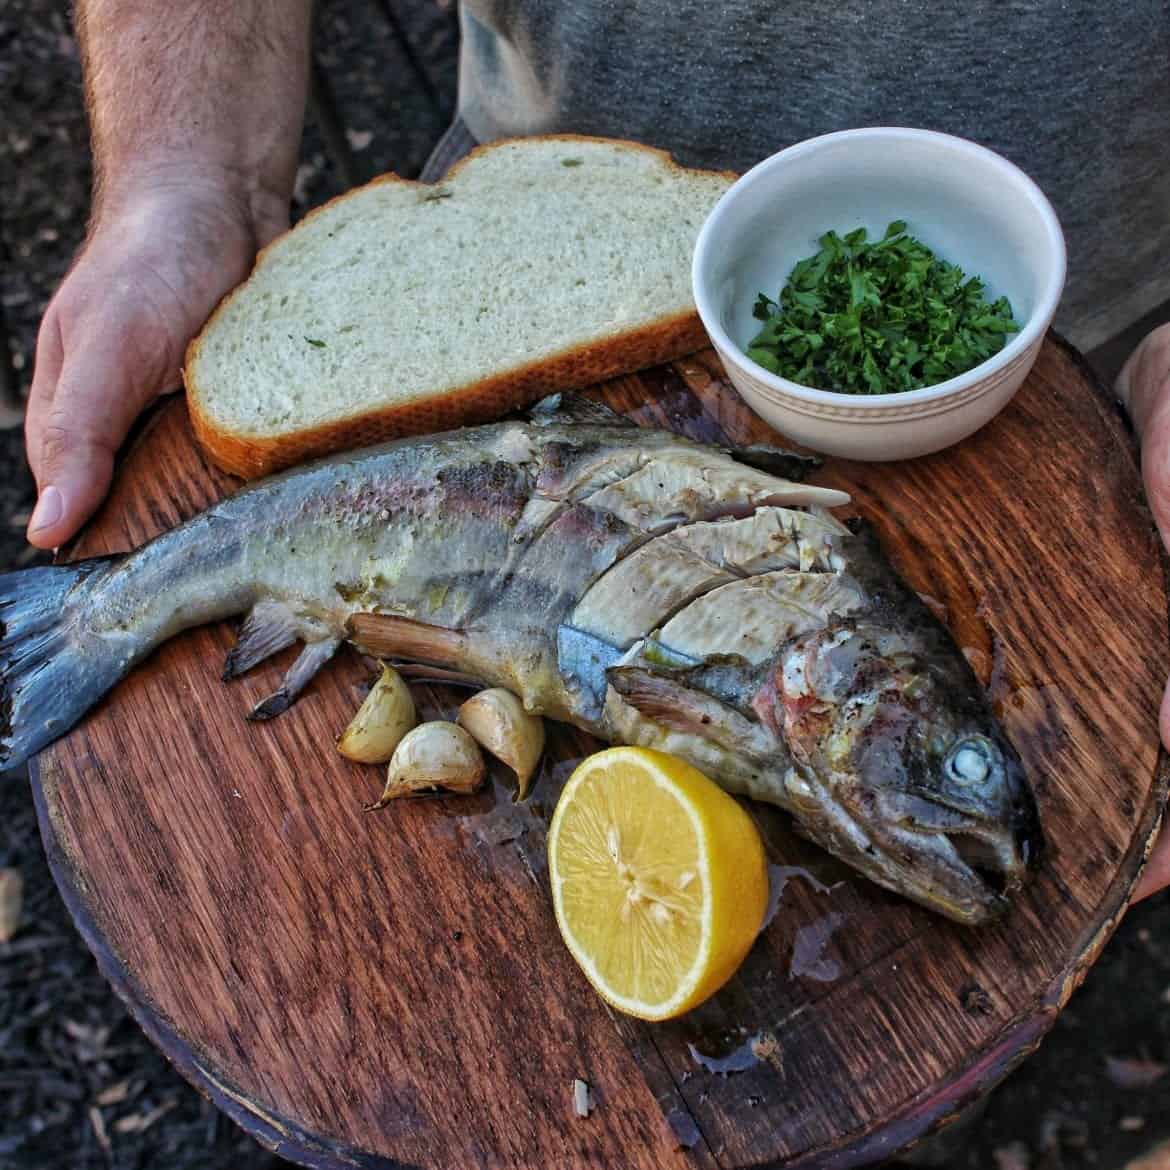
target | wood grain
[{"x": 390, "y": 989}]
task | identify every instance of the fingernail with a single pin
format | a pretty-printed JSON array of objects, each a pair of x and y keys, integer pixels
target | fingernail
[{"x": 49, "y": 510}]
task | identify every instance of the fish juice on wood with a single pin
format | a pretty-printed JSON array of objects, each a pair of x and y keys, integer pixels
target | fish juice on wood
[{"x": 646, "y": 588}]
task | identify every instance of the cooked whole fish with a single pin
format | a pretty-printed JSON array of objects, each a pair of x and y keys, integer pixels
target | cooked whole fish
[{"x": 646, "y": 588}]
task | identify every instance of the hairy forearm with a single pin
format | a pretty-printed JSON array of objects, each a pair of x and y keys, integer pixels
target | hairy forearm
[{"x": 213, "y": 86}]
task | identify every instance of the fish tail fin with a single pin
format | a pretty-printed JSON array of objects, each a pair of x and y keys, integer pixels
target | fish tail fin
[{"x": 48, "y": 677}]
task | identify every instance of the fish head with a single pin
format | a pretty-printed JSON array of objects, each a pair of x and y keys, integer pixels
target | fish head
[{"x": 900, "y": 764}]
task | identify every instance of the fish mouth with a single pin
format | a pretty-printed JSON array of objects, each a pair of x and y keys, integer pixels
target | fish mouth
[
  {"x": 981, "y": 862},
  {"x": 1002, "y": 855},
  {"x": 968, "y": 874},
  {"x": 965, "y": 871},
  {"x": 968, "y": 869},
  {"x": 1000, "y": 869},
  {"x": 959, "y": 875}
]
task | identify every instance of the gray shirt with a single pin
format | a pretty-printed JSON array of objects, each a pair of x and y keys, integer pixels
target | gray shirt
[{"x": 1077, "y": 92}]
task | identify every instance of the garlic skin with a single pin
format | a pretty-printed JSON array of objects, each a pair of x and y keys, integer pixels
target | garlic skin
[
  {"x": 433, "y": 755},
  {"x": 385, "y": 716},
  {"x": 498, "y": 722}
]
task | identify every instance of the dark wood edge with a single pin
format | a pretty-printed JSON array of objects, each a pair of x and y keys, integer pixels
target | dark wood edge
[
  {"x": 276, "y": 1133},
  {"x": 922, "y": 1116}
]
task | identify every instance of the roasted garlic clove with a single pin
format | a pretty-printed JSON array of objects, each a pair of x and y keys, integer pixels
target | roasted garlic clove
[
  {"x": 433, "y": 755},
  {"x": 385, "y": 716},
  {"x": 498, "y": 722}
]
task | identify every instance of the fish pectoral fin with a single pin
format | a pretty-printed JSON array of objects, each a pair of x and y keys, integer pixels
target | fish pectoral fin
[
  {"x": 568, "y": 406},
  {"x": 268, "y": 629},
  {"x": 309, "y": 661},
  {"x": 671, "y": 704},
  {"x": 387, "y": 636},
  {"x": 663, "y": 700},
  {"x": 776, "y": 461}
]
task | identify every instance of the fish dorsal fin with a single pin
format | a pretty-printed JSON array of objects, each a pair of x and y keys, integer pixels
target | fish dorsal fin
[
  {"x": 776, "y": 461},
  {"x": 575, "y": 408}
]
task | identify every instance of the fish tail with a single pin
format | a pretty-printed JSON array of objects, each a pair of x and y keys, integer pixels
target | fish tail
[{"x": 51, "y": 673}]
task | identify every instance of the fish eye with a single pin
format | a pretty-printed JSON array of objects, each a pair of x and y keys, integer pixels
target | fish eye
[{"x": 971, "y": 760}]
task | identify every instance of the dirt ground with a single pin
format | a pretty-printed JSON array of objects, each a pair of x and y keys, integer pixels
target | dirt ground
[{"x": 80, "y": 1087}]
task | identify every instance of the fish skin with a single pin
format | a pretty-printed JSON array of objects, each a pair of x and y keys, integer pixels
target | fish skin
[{"x": 846, "y": 703}]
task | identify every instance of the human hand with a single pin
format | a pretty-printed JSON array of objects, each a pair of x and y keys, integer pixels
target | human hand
[
  {"x": 1144, "y": 387},
  {"x": 159, "y": 255}
]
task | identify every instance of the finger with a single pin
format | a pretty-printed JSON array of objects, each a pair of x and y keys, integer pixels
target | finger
[
  {"x": 74, "y": 437},
  {"x": 1156, "y": 875},
  {"x": 1156, "y": 460},
  {"x": 1145, "y": 377}
]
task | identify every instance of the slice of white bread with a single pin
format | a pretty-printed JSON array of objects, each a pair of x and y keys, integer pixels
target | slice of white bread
[{"x": 539, "y": 264}]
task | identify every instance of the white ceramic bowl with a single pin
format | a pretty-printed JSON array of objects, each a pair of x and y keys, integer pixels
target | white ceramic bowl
[{"x": 966, "y": 203}]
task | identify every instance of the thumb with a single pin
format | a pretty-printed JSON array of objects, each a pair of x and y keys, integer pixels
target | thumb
[{"x": 74, "y": 432}]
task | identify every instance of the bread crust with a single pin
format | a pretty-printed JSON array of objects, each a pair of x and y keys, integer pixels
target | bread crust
[{"x": 250, "y": 455}]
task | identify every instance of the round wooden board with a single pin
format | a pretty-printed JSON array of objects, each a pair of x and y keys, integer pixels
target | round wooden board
[{"x": 378, "y": 990}]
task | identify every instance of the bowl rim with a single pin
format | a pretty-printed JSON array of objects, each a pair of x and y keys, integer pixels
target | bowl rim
[{"x": 1036, "y": 324}]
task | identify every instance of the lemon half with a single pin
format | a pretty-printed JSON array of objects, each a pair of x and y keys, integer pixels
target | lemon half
[{"x": 659, "y": 880}]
